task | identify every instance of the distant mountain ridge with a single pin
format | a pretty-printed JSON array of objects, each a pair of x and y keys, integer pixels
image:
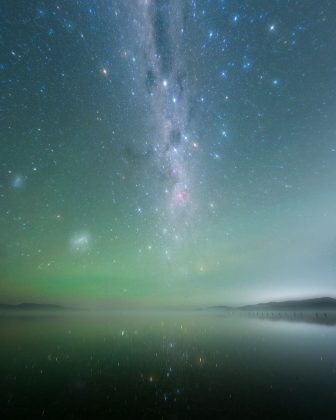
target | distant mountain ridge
[
  {"x": 30, "y": 306},
  {"x": 316, "y": 304}
]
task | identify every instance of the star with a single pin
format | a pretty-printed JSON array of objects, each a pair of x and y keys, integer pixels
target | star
[{"x": 104, "y": 71}]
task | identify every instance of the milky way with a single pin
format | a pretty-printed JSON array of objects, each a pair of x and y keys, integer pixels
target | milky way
[
  {"x": 175, "y": 152},
  {"x": 162, "y": 29}
]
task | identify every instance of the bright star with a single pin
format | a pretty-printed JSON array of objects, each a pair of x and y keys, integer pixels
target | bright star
[{"x": 104, "y": 71}]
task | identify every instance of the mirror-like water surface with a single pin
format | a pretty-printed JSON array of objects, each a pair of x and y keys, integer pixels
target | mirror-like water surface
[{"x": 165, "y": 365}]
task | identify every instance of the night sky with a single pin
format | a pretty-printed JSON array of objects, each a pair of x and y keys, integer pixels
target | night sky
[{"x": 167, "y": 152}]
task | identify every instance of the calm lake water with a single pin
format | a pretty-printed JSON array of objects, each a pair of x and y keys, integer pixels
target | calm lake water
[{"x": 165, "y": 365}]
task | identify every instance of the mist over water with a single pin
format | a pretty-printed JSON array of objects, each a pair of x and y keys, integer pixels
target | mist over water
[{"x": 165, "y": 365}]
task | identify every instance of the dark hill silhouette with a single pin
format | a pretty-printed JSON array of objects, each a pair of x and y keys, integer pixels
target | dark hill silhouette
[
  {"x": 313, "y": 311},
  {"x": 31, "y": 306},
  {"x": 314, "y": 304}
]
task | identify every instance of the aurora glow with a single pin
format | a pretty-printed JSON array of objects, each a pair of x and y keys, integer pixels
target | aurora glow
[{"x": 167, "y": 153}]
